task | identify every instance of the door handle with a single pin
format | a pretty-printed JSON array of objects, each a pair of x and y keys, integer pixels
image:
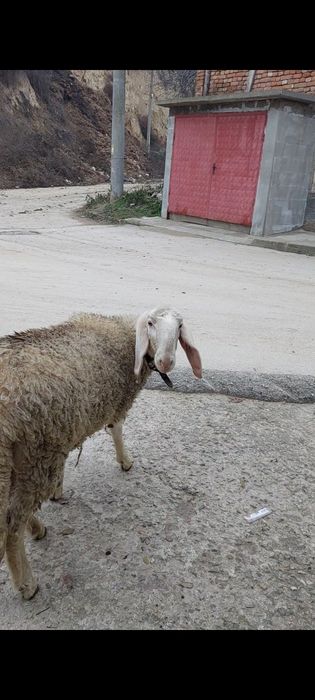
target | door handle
[{"x": 213, "y": 168}]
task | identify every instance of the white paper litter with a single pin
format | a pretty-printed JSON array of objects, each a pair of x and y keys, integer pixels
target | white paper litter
[{"x": 259, "y": 514}]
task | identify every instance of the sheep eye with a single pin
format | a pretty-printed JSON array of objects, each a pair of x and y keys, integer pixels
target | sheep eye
[
  {"x": 180, "y": 326},
  {"x": 150, "y": 323}
]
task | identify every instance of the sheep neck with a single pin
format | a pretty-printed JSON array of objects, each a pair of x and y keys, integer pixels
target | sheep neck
[{"x": 151, "y": 365}]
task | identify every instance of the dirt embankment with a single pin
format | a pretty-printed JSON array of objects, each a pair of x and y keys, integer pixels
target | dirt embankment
[{"x": 55, "y": 129}]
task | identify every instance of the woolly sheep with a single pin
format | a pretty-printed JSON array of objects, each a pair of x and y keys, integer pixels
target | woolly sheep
[{"x": 58, "y": 386}]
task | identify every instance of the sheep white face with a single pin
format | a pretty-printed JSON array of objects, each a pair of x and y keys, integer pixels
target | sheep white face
[
  {"x": 157, "y": 333},
  {"x": 163, "y": 333}
]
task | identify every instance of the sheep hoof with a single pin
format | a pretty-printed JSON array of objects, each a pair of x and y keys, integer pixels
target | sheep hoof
[
  {"x": 63, "y": 499},
  {"x": 29, "y": 591},
  {"x": 57, "y": 495},
  {"x": 40, "y": 534},
  {"x": 126, "y": 464}
]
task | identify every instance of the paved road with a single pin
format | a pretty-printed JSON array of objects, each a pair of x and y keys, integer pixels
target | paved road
[
  {"x": 250, "y": 309},
  {"x": 167, "y": 544}
]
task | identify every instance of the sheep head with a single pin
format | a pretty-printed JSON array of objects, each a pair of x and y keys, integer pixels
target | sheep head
[{"x": 157, "y": 333}]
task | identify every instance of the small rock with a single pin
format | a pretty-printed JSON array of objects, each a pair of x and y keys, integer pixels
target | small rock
[
  {"x": 186, "y": 584},
  {"x": 146, "y": 560},
  {"x": 281, "y": 609},
  {"x": 67, "y": 531}
]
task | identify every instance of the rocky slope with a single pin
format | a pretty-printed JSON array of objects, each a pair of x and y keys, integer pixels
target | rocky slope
[{"x": 55, "y": 128}]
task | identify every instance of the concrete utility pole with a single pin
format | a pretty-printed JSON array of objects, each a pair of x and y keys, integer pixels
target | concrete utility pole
[
  {"x": 118, "y": 135},
  {"x": 150, "y": 114}
]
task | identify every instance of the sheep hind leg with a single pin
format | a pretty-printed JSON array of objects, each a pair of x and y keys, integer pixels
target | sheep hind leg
[
  {"x": 123, "y": 457},
  {"x": 18, "y": 564}
]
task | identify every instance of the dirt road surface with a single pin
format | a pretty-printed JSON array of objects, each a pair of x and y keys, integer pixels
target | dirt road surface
[{"x": 167, "y": 546}]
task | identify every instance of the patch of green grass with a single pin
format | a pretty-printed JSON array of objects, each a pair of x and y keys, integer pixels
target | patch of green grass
[{"x": 144, "y": 201}]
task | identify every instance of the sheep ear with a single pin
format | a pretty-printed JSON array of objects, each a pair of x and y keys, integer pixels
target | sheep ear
[
  {"x": 191, "y": 351},
  {"x": 142, "y": 342}
]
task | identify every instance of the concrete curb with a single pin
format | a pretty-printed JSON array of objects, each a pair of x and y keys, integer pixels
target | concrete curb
[
  {"x": 300, "y": 248},
  {"x": 248, "y": 385},
  {"x": 199, "y": 231}
]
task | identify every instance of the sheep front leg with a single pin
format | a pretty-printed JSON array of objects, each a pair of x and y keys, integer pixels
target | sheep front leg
[
  {"x": 122, "y": 455},
  {"x": 58, "y": 493}
]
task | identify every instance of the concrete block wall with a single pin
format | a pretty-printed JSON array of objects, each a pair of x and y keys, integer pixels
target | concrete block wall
[
  {"x": 309, "y": 223},
  {"x": 285, "y": 174}
]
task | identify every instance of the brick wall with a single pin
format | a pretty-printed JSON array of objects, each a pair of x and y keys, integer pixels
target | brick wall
[
  {"x": 234, "y": 80},
  {"x": 228, "y": 80},
  {"x": 296, "y": 80}
]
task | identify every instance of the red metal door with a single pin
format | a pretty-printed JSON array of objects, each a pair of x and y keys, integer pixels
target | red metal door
[
  {"x": 237, "y": 154},
  {"x": 193, "y": 151},
  {"x": 215, "y": 165}
]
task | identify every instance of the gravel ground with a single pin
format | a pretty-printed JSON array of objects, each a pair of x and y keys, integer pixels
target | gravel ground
[{"x": 166, "y": 546}]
